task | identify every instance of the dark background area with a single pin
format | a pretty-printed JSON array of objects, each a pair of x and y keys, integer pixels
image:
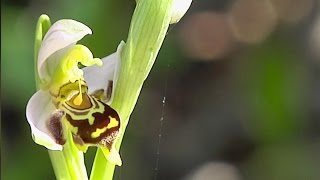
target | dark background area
[{"x": 241, "y": 80}]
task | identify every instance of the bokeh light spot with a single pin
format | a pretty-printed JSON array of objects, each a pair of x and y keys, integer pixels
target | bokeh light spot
[
  {"x": 252, "y": 21},
  {"x": 206, "y": 36},
  {"x": 292, "y": 11}
]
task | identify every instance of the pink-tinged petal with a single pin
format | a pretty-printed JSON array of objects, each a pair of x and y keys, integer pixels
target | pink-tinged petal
[
  {"x": 44, "y": 120},
  {"x": 99, "y": 77},
  {"x": 61, "y": 34}
]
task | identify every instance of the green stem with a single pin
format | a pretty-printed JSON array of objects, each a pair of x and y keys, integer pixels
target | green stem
[
  {"x": 75, "y": 160},
  {"x": 148, "y": 28},
  {"x": 59, "y": 165},
  {"x": 101, "y": 169},
  {"x": 68, "y": 164}
]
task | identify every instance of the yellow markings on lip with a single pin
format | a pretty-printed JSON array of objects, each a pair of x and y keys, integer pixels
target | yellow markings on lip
[
  {"x": 72, "y": 128},
  {"x": 98, "y": 132},
  {"x": 113, "y": 123}
]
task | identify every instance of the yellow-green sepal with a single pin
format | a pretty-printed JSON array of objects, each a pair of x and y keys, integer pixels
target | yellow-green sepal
[{"x": 112, "y": 156}]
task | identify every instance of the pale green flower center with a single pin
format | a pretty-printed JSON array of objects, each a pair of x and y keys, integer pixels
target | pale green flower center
[{"x": 68, "y": 72}]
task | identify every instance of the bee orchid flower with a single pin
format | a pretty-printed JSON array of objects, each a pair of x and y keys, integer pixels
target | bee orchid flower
[{"x": 73, "y": 103}]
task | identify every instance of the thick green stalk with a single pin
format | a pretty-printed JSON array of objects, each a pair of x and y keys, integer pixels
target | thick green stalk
[
  {"x": 59, "y": 164},
  {"x": 148, "y": 28},
  {"x": 69, "y": 163}
]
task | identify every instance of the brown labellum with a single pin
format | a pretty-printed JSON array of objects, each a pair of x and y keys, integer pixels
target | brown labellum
[{"x": 104, "y": 129}]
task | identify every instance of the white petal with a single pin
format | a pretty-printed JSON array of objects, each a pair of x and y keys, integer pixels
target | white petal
[
  {"x": 39, "y": 109},
  {"x": 98, "y": 77},
  {"x": 180, "y": 7},
  {"x": 61, "y": 34}
]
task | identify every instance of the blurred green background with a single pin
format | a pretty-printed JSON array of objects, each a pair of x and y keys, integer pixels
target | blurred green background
[{"x": 240, "y": 78}]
